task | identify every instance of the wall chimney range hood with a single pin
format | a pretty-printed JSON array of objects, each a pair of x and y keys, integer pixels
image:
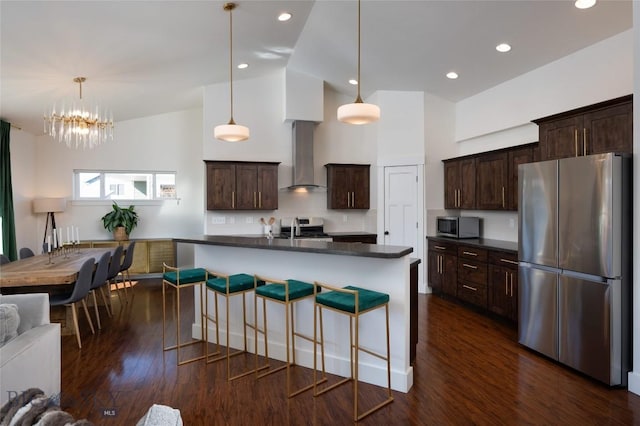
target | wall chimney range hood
[{"x": 303, "y": 173}]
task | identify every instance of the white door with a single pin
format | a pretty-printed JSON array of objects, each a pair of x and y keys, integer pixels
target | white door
[{"x": 401, "y": 207}]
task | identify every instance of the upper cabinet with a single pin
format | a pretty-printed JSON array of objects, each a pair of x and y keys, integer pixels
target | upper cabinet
[
  {"x": 595, "y": 129},
  {"x": 486, "y": 181},
  {"x": 242, "y": 185},
  {"x": 460, "y": 183},
  {"x": 348, "y": 186}
]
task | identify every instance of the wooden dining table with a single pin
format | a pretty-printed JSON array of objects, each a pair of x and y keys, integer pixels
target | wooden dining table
[{"x": 49, "y": 271}]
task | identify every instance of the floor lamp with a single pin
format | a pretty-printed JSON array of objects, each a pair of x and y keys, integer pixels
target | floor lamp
[{"x": 50, "y": 206}]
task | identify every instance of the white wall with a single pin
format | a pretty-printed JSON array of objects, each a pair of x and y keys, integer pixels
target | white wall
[
  {"x": 167, "y": 142},
  {"x": 500, "y": 117},
  {"x": 258, "y": 104}
]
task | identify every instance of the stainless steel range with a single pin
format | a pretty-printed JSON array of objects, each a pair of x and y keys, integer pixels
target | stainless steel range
[{"x": 304, "y": 228}]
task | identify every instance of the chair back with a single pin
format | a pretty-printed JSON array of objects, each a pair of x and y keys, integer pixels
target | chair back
[
  {"x": 101, "y": 272},
  {"x": 4, "y": 259},
  {"x": 128, "y": 257},
  {"x": 116, "y": 261},
  {"x": 83, "y": 283},
  {"x": 26, "y": 252}
]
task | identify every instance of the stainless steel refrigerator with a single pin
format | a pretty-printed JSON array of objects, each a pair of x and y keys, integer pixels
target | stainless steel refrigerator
[{"x": 575, "y": 263}]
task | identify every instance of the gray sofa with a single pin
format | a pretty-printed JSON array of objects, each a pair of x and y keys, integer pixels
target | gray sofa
[{"x": 32, "y": 359}]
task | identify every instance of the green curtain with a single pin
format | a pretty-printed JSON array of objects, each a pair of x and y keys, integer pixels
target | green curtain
[{"x": 6, "y": 194}]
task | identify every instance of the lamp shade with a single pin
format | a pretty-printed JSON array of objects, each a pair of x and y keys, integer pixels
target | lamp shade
[
  {"x": 358, "y": 113},
  {"x": 231, "y": 132},
  {"x": 46, "y": 205}
]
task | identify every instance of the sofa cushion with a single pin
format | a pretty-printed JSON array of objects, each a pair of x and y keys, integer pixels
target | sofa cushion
[{"x": 9, "y": 322}]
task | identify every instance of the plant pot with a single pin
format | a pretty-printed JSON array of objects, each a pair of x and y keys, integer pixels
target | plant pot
[{"x": 120, "y": 234}]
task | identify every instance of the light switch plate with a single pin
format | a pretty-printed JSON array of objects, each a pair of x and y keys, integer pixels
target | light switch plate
[{"x": 218, "y": 220}]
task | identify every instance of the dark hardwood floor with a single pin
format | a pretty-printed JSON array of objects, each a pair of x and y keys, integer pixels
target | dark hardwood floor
[{"x": 469, "y": 370}]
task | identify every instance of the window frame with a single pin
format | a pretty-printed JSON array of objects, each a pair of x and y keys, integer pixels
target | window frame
[{"x": 102, "y": 177}]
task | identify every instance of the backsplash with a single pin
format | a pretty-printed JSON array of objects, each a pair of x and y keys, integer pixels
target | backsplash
[{"x": 494, "y": 225}]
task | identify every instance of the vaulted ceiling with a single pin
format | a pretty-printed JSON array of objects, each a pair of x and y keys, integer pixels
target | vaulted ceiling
[{"x": 148, "y": 57}]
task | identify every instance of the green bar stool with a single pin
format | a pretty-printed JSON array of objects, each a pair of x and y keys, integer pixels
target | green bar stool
[
  {"x": 287, "y": 293},
  {"x": 227, "y": 286},
  {"x": 179, "y": 279},
  {"x": 354, "y": 302}
]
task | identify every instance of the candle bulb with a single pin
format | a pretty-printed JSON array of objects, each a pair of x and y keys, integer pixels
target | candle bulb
[{"x": 77, "y": 235}]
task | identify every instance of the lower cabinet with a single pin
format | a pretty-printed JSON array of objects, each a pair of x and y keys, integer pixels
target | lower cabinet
[
  {"x": 503, "y": 284},
  {"x": 482, "y": 277}
]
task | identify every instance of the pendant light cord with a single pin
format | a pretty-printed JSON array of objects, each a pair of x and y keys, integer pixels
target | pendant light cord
[
  {"x": 358, "y": 98},
  {"x": 230, "y": 7}
]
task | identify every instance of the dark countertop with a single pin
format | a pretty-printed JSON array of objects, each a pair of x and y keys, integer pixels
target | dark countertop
[
  {"x": 511, "y": 246},
  {"x": 305, "y": 246},
  {"x": 355, "y": 234}
]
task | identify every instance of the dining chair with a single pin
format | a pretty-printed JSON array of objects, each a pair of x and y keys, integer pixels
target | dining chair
[
  {"x": 124, "y": 268},
  {"x": 4, "y": 259},
  {"x": 98, "y": 282},
  {"x": 26, "y": 252},
  {"x": 114, "y": 270},
  {"x": 78, "y": 294}
]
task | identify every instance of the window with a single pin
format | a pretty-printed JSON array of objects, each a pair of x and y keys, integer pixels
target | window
[{"x": 124, "y": 185}]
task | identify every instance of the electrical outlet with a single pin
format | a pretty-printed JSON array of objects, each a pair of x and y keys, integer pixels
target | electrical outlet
[
  {"x": 345, "y": 218},
  {"x": 218, "y": 220},
  {"x": 512, "y": 223},
  {"x": 249, "y": 219},
  {"x": 231, "y": 220}
]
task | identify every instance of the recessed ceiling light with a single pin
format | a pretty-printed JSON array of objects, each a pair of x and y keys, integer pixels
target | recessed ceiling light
[
  {"x": 503, "y": 47},
  {"x": 584, "y": 4},
  {"x": 353, "y": 81},
  {"x": 284, "y": 16},
  {"x": 452, "y": 75},
  {"x": 242, "y": 66}
]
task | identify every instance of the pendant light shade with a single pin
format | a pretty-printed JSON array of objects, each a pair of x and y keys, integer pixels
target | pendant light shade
[
  {"x": 231, "y": 132},
  {"x": 358, "y": 112}
]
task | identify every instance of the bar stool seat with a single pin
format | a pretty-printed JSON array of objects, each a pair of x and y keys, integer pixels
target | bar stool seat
[
  {"x": 286, "y": 292},
  {"x": 179, "y": 279},
  {"x": 226, "y": 286},
  {"x": 354, "y": 302}
]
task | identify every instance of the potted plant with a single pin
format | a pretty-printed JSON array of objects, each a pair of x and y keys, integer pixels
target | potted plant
[{"x": 120, "y": 221}]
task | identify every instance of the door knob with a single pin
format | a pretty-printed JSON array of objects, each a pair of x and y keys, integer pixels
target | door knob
[{"x": 386, "y": 232}]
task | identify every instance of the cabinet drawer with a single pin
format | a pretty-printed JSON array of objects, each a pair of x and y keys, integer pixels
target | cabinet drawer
[
  {"x": 474, "y": 272},
  {"x": 473, "y": 253},
  {"x": 503, "y": 258},
  {"x": 443, "y": 247},
  {"x": 472, "y": 293}
]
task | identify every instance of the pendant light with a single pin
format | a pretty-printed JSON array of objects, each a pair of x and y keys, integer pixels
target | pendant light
[
  {"x": 231, "y": 132},
  {"x": 358, "y": 112}
]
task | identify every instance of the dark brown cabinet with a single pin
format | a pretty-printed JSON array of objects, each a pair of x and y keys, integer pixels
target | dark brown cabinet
[
  {"x": 348, "y": 186},
  {"x": 242, "y": 185},
  {"x": 595, "y": 129},
  {"x": 516, "y": 157},
  {"x": 472, "y": 275},
  {"x": 492, "y": 179},
  {"x": 443, "y": 267},
  {"x": 503, "y": 284},
  {"x": 460, "y": 183}
]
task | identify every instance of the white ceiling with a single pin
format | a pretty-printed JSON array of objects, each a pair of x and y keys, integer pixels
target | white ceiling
[{"x": 148, "y": 57}]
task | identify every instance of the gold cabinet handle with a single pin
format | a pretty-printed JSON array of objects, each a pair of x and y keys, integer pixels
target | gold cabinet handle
[
  {"x": 459, "y": 197},
  {"x": 509, "y": 261},
  {"x": 440, "y": 264},
  {"x": 503, "y": 205},
  {"x": 511, "y": 284},
  {"x": 260, "y": 199},
  {"x": 348, "y": 199},
  {"x": 575, "y": 139},
  {"x": 233, "y": 199},
  {"x": 255, "y": 202},
  {"x": 466, "y": 265},
  {"x": 469, "y": 287},
  {"x": 584, "y": 141},
  {"x": 353, "y": 200},
  {"x": 439, "y": 247},
  {"x": 506, "y": 283},
  {"x": 470, "y": 253}
]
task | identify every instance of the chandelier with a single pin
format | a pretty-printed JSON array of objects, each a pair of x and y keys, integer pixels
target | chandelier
[
  {"x": 231, "y": 132},
  {"x": 78, "y": 124},
  {"x": 358, "y": 112}
]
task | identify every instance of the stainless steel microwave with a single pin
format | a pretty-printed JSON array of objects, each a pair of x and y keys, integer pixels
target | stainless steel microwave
[{"x": 458, "y": 226}]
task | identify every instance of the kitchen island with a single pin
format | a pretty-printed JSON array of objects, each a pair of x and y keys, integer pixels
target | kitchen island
[{"x": 375, "y": 267}]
